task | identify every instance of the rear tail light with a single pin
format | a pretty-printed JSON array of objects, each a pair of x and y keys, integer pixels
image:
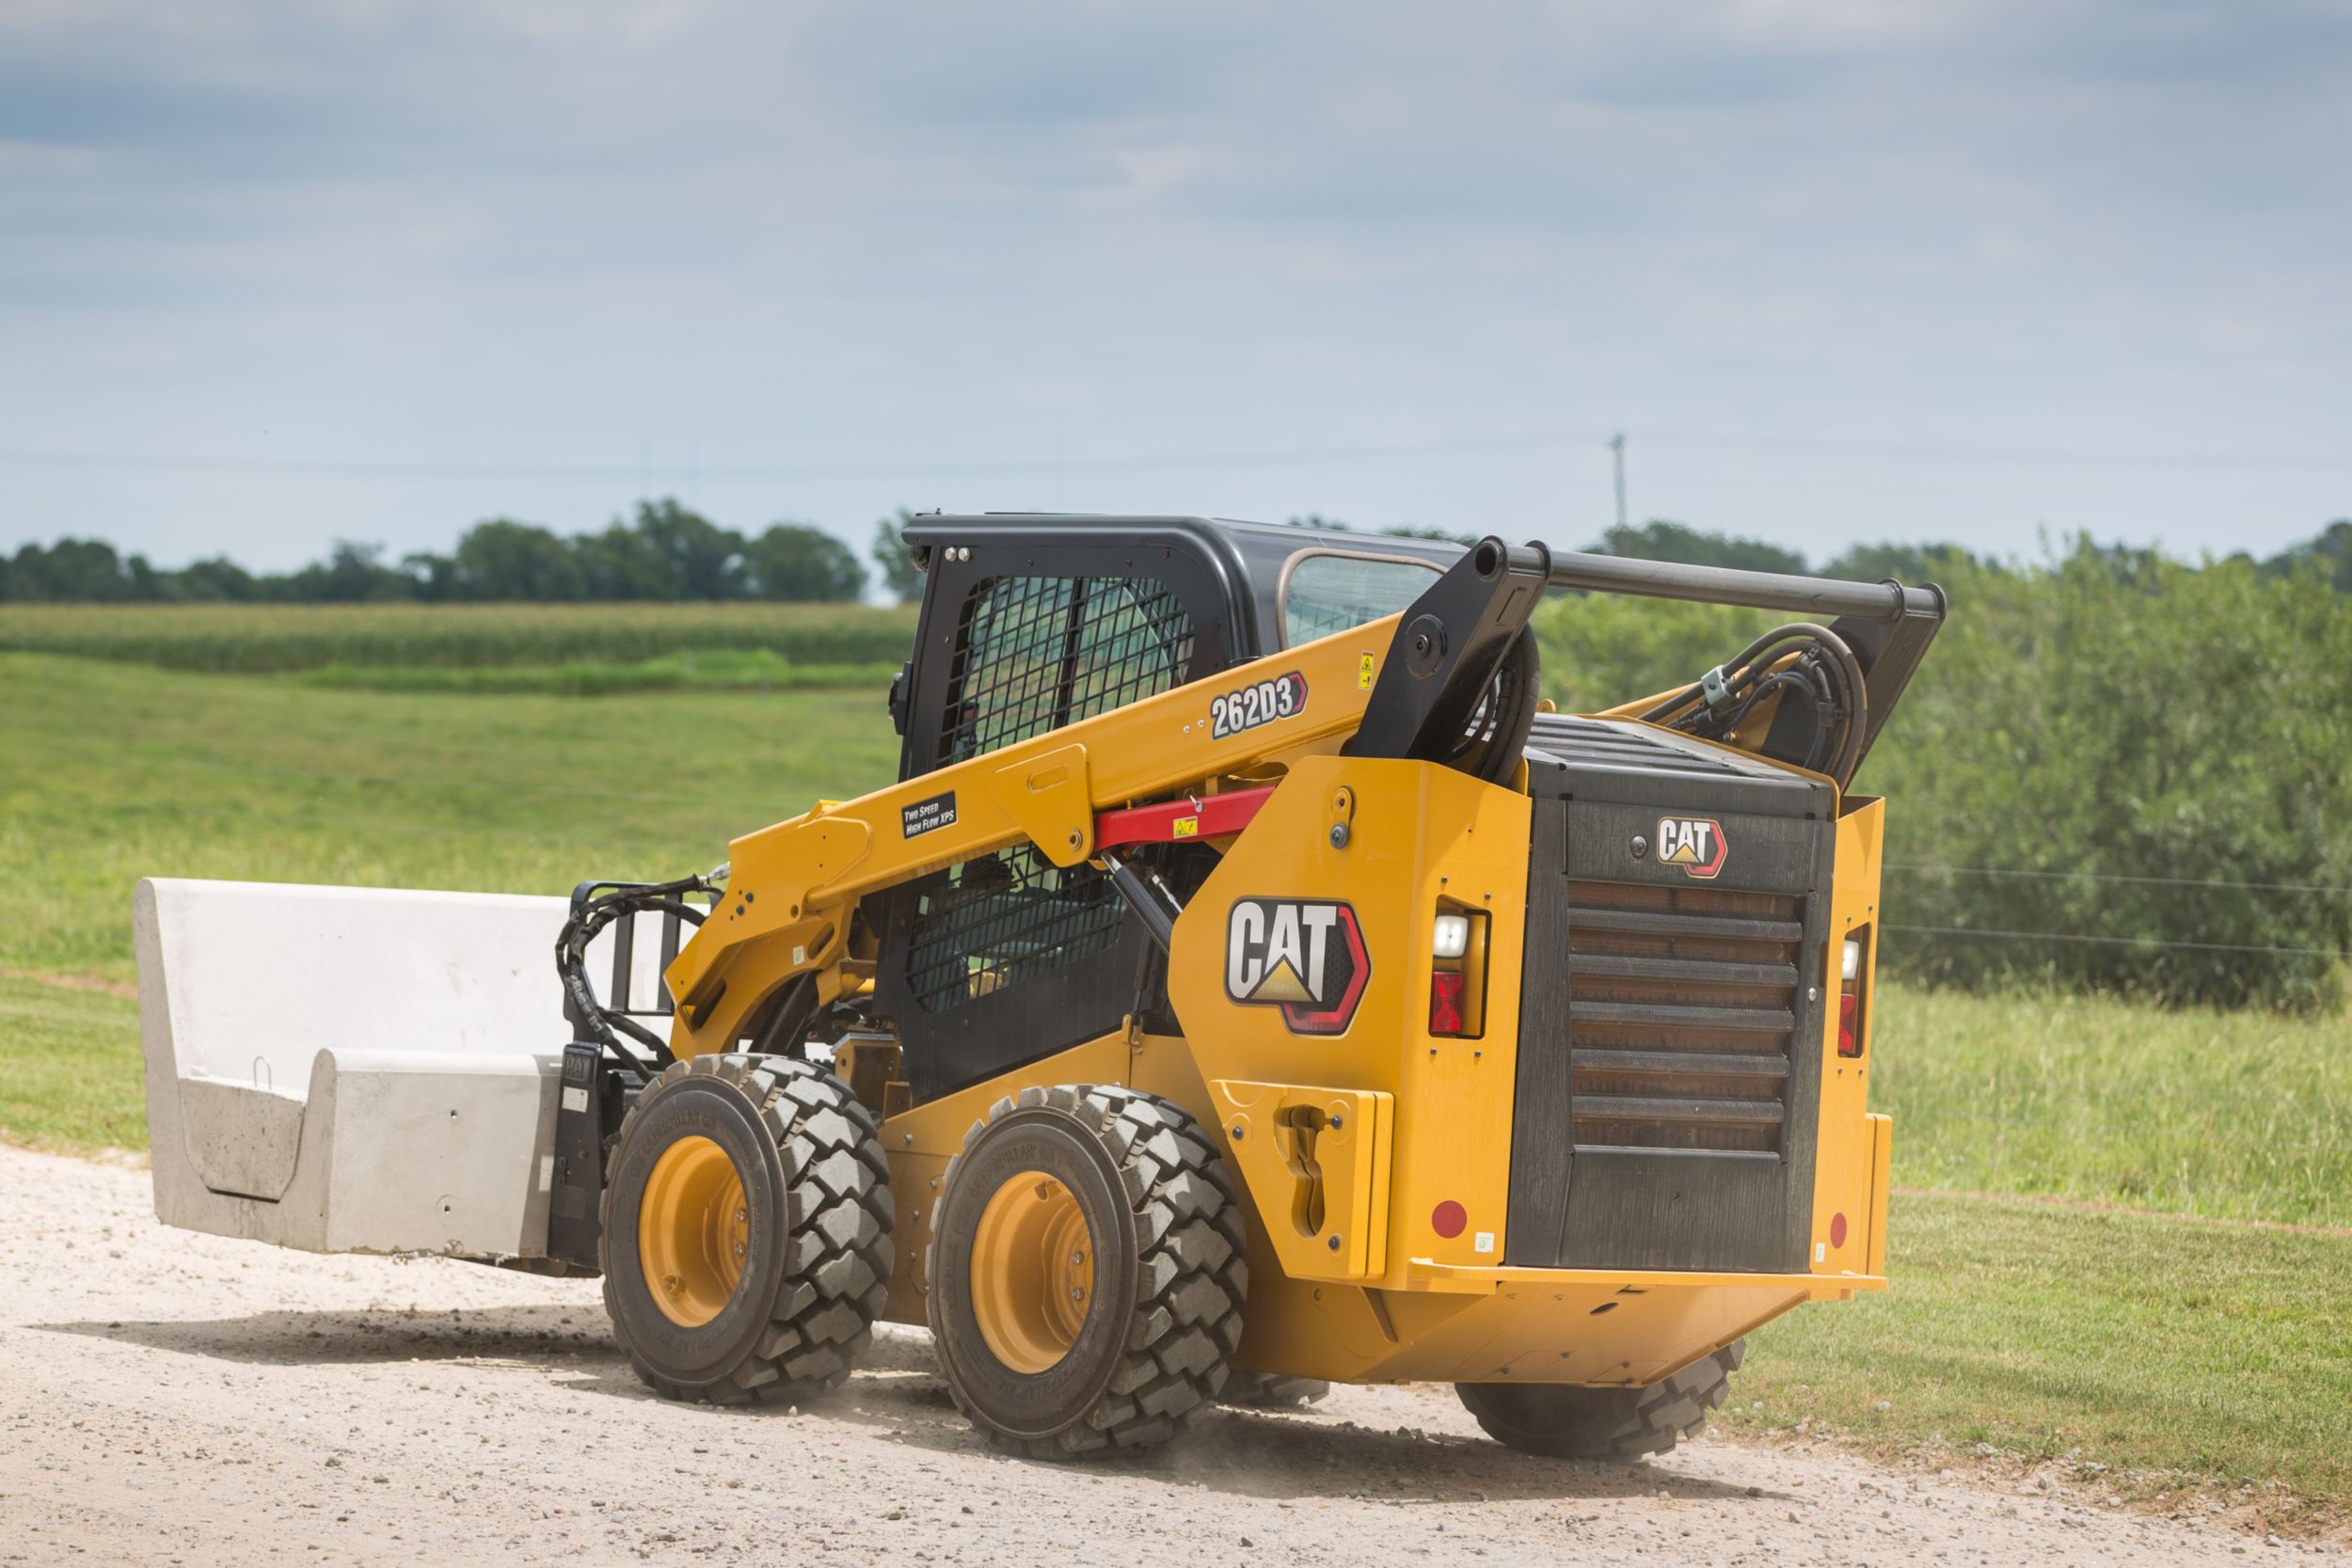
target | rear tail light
[
  {"x": 1853, "y": 964},
  {"x": 1457, "y": 973},
  {"x": 1446, "y": 988}
]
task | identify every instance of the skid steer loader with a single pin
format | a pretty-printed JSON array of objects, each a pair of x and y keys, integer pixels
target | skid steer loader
[{"x": 1249, "y": 981}]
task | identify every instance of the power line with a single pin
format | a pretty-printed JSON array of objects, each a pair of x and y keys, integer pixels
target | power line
[
  {"x": 2052, "y": 456},
  {"x": 2117, "y": 942},
  {"x": 398, "y": 468},
  {"x": 2103, "y": 877},
  {"x": 1248, "y": 457}
]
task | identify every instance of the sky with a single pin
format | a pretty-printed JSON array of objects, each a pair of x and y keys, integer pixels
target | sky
[{"x": 275, "y": 275}]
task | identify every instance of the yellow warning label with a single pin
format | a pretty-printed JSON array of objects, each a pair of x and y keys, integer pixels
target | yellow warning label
[
  {"x": 1364, "y": 663},
  {"x": 1187, "y": 826}
]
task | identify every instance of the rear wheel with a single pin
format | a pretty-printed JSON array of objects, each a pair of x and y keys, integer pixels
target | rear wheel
[
  {"x": 746, "y": 1245},
  {"x": 1085, "y": 1274},
  {"x": 1604, "y": 1423}
]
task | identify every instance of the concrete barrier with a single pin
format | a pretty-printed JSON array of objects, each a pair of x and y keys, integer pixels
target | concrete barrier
[{"x": 352, "y": 1069}]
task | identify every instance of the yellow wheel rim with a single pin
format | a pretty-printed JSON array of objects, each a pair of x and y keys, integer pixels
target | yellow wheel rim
[
  {"x": 692, "y": 1230},
  {"x": 1032, "y": 1272}
]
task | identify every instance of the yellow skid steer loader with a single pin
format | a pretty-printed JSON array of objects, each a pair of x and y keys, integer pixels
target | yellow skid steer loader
[{"x": 1250, "y": 983}]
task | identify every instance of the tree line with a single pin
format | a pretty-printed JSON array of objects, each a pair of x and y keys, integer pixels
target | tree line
[
  {"x": 2114, "y": 771},
  {"x": 668, "y": 552}
]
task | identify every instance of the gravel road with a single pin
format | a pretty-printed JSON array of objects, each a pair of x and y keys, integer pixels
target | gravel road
[{"x": 166, "y": 1398}]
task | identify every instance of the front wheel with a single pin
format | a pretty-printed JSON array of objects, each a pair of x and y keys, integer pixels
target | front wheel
[
  {"x": 746, "y": 1247},
  {"x": 1562, "y": 1422}
]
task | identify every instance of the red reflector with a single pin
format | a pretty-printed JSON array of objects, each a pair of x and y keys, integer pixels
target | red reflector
[
  {"x": 1837, "y": 1230},
  {"x": 1847, "y": 1006},
  {"x": 1448, "y": 1218},
  {"x": 1445, "y": 1002}
]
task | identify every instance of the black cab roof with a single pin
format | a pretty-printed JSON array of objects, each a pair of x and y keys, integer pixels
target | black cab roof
[{"x": 1255, "y": 559}]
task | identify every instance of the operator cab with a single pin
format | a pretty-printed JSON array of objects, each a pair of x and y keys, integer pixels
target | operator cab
[{"x": 1030, "y": 623}]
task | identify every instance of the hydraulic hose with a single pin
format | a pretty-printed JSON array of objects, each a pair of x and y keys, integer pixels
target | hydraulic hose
[
  {"x": 1800, "y": 656},
  {"x": 596, "y": 906}
]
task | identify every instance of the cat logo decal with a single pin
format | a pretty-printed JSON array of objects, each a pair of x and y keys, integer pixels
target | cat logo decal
[
  {"x": 1696, "y": 844},
  {"x": 1304, "y": 956}
]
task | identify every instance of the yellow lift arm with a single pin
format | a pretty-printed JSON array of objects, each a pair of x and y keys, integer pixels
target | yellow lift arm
[{"x": 790, "y": 887}]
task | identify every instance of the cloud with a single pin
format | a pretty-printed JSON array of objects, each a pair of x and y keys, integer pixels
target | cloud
[{"x": 582, "y": 232}]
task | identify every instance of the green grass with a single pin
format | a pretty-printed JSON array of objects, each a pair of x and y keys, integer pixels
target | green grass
[
  {"x": 2186, "y": 1351},
  {"x": 69, "y": 1068},
  {"x": 705, "y": 669},
  {"x": 2152, "y": 1341},
  {"x": 255, "y": 637},
  {"x": 110, "y": 772},
  {"x": 2195, "y": 1110}
]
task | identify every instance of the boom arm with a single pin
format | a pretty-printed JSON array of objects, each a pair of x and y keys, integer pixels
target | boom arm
[
  {"x": 1394, "y": 687},
  {"x": 792, "y": 887}
]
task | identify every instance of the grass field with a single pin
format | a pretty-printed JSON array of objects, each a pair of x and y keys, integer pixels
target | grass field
[
  {"x": 109, "y": 772},
  {"x": 308, "y": 636},
  {"x": 2160, "y": 1342},
  {"x": 2178, "y": 1351},
  {"x": 2246, "y": 1115},
  {"x": 696, "y": 670}
]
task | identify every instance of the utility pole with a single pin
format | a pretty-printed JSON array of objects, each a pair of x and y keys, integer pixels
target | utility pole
[{"x": 1617, "y": 445}]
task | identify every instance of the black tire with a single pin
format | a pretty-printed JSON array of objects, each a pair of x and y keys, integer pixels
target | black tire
[
  {"x": 1271, "y": 1391},
  {"x": 815, "y": 1264},
  {"x": 1604, "y": 1423},
  {"x": 1168, "y": 1278}
]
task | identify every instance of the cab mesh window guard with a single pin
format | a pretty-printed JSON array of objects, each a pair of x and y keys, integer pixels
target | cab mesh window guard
[
  {"x": 1033, "y": 653},
  {"x": 1036, "y": 653},
  {"x": 1004, "y": 918}
]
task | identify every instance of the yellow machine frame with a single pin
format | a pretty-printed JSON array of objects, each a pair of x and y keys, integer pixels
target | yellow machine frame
[{"x": 1343, "y": 1147}]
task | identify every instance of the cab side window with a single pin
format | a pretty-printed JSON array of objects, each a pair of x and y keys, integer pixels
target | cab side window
[{"x": 1328, "y": 591}]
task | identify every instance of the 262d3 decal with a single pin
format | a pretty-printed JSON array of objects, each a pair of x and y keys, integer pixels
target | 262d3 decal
[
  {"x": 1305, "y": 956},
  {"x": 1253, "y": 705}
]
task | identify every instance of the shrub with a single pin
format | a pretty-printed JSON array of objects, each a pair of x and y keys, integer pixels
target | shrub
[{"x": 2130, "y": 739}]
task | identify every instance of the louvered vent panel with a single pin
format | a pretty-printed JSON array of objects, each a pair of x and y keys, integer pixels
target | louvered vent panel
[{"x": 1681, "y": 1006}]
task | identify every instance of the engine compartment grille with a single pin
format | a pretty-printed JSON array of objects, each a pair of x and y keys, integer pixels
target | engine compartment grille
[{"x": 1681, "y": 1007}]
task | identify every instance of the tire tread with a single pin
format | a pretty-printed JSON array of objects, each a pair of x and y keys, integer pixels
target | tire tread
[{"x": 1605, "y": 1423}]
